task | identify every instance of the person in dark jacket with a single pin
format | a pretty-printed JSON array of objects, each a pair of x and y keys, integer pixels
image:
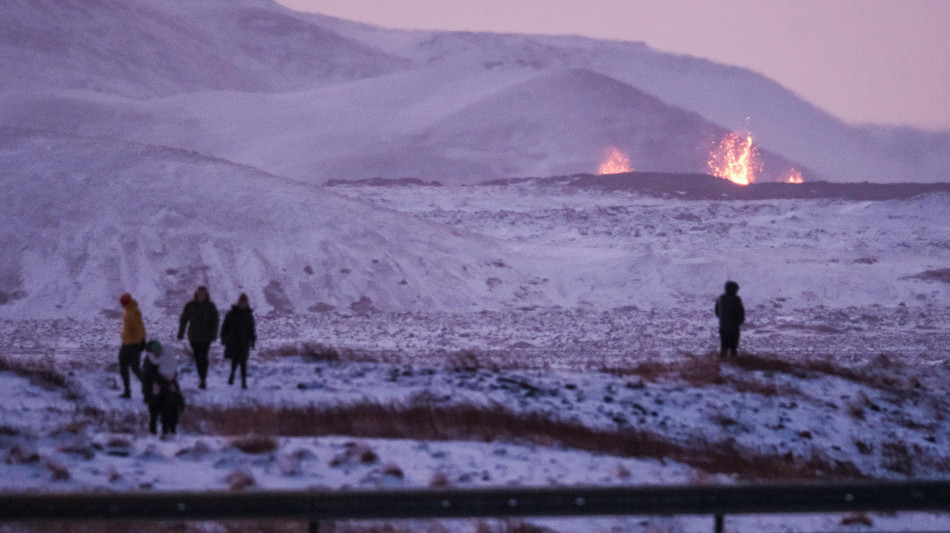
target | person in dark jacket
[
  {"x": 731, "y": 315},
  {"x": 133, "y": 342},
  {"x": 238, "y": 336},
  {"x": 149, "y": 377},
  {"x": 165, "y": 401},
  {"x": 200, "y": 316}
]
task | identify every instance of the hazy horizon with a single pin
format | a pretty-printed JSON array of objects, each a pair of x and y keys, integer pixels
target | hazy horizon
[{"x": 875, "y": 62}]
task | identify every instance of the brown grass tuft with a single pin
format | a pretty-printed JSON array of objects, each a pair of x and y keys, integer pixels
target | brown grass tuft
[
  {"x": 21, "y": 455},
  {"x": 623, "y": 472},
  {"x": 870, "y": 374},
  {"x": 255, "y": 444},
  {"x": 464, "y": 361},
  {"x": 392, "y": 469},
  {"x": 440, "y": 480},
  {"x": 857, "y": 519},
  {"x": 240, "y": 480},
  {"x": 355, "y": 453},
  {"x": 58, "y": 472}
]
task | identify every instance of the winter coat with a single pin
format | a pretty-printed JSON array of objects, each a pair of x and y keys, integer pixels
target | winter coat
[
  {"x": 237, "y": 333},
  {"x": 168, "y": 366},
  {"x": 167, "y": 400},
  {"x": 149, "y": 376},
  {"x": 730, "y": 311},
  {"x": 133, "y": 329},
  {"x": 201, "y": 319}
]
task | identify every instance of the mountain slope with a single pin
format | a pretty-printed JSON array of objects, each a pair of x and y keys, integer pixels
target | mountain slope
[
  {"x": 734, "y": 98},
  {"x": 561, "y": 122},
  {"x": 141, "y": 48},
  {"x": 315, "y": 98},
  {"x": 83, "y": 220}
]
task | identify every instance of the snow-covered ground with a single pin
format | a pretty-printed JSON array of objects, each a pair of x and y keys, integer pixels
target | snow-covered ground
[
  {"x": 535, "y": 333},
  {"x": 606, "y": 375}
]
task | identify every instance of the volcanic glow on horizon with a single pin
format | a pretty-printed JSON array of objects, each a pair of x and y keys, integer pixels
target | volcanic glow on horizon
[
  {"x": 794, "y": 176},
  {"x": 735, "y": 159},
  {"x": 614, "y": 162}
]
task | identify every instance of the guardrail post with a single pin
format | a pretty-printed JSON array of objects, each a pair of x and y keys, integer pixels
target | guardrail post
[{"x": 720, "y": 523}]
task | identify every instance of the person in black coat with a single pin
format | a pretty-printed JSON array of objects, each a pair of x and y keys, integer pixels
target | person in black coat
[
  {"x": 200, "y": 316},
  {"x": 731, "y": 315},
  {"x": 163, "y": 395},
  {"x": 149, "y": 377},
  {"x": 238, "y": 336}
]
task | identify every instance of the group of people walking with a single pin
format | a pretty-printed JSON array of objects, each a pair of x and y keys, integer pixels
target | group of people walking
[{"x": 158, "y": 374}]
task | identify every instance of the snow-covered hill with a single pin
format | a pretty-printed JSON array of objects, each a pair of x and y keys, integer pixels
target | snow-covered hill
[
  {"x": 314, "y": 98},
  {"x": 731, "y": 97},
  {"x": 140, "y": 48},
  {"x": 84, "y": 220},
  {"x": 576, "y": 114}
]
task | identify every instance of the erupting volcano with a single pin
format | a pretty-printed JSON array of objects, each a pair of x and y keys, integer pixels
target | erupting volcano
[
  {"x": 614, "y": 162},
  {"x": 735, "y": 159},
  {"x": 794, "y": 176}
]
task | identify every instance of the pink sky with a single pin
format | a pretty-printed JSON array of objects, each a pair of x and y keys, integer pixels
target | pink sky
[{"x": 864, "y": 61}]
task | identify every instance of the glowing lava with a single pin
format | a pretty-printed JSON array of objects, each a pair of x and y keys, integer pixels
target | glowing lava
[
  {"x": 794, "y": 176},
  {"x": 736, "y": 159},
  {"x": 615, "y": 162}
]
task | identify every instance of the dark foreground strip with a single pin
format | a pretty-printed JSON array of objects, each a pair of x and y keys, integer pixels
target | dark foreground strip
[{"x": 482, "y": 503}]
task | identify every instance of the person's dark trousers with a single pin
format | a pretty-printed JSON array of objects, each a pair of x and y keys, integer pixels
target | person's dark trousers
[
  {"x": 130, "y": 357},
  {"x": 153, "y": 412},
  {"x": 200, "y": 351},
  {"x": 235, "y": 363},
  {"x": 729, "y": 341},
  {"x": 169, "y": 416}
]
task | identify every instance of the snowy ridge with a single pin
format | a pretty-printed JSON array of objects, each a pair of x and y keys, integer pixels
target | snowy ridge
[
  {"x": 144, "y": 49},
  {"x": 356, "y": 102},
  {"x": 578, "y": 113}
]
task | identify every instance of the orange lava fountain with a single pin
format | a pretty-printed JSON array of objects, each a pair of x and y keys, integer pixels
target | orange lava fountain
[
  {"x": 615, "y": 162},
  {"x": 736, "y": 159},
  {"x": 794, "y": 176}
]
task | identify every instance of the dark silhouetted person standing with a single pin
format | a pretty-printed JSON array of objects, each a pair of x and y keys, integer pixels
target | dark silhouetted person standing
[
  {"x": 731, "y": 315},
  {"x": 133, "y": 342},
  {"x": 200, "y": 316},
  {"x": 238, "y": 337}
]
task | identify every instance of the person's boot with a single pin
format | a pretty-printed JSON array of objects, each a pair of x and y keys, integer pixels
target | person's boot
[
  {"x": 231, "y": 379},
  {"x": 126, "y": 394},
  {"x": 202, "y": 385}
]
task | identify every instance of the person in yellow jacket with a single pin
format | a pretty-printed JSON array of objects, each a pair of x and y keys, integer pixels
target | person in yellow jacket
[{"x": 133, "y": 342}]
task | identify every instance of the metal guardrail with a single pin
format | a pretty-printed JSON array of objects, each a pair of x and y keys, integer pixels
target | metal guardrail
[{"x": 318, "y": 506}]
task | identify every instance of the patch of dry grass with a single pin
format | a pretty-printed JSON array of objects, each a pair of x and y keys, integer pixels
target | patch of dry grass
[
  {"x": 468, "y": 422},
  {"x": 255, "y": 444},
  {"x": 881, "y": 373},
  {"x": 316, "y": 351}
]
